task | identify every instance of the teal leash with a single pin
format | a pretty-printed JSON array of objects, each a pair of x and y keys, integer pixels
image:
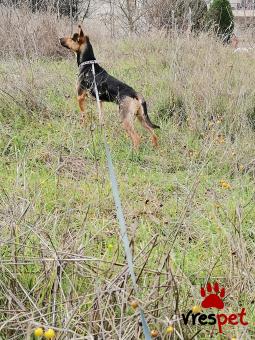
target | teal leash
[
  {"x": 123, "y": 231},
  {"x": 119, "y": 210}
]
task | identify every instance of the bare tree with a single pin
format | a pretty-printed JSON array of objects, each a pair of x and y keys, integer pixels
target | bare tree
[
  {"x": 131, "y": 15},
  {"x": 127, "y": 13}
]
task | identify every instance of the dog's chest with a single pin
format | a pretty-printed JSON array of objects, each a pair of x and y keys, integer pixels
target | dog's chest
[{"x": 87, "y": 82}]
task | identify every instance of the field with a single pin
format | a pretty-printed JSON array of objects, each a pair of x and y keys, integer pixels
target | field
[{"x": 189, "y": 204}]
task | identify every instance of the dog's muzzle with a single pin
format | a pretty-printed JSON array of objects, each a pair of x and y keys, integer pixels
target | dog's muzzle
[{"x": 62, "y": 42}]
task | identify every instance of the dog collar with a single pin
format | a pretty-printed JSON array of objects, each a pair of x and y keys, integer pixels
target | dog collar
[{"x": 89, "y": 62}]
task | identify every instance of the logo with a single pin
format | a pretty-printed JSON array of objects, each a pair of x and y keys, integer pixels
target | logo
[
  {"x": 213, "y": 300},
  {"x": 213, "y": 297}
]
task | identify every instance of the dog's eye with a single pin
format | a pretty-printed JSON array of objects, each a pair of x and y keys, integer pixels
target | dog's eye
[{"x": 75, "y": 37}]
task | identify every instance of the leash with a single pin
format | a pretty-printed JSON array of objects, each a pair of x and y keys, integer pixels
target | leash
[
  {"x": 117, "y": 201},
  {"x": 93, "y": 62}
]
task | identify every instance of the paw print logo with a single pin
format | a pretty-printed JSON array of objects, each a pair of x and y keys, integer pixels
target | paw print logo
[{"x": 212, "y": 296}]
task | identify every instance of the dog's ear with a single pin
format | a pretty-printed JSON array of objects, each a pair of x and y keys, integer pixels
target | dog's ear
[
  {"x": 75, "y": 37},
  {"x": 81, "y": 34}
]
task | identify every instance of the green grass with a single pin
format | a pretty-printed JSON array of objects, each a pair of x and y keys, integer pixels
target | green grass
[{"x": 57, "y": 210}]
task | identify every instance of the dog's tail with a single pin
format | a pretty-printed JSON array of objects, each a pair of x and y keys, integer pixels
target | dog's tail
[{"x": 145, "y": 113}]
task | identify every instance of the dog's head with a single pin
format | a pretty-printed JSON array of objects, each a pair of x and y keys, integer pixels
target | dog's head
[{"x": 77, "y": 42}]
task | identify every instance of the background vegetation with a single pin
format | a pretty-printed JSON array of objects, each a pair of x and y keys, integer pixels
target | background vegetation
[
  {"x": 189, "y": 204},
  {"x": 220, "y": 15}
]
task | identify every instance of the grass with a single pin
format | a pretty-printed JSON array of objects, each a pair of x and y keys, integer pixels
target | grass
[{"x": 62, "y": 259}]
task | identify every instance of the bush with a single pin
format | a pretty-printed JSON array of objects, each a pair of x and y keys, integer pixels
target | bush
[
  {"x": 221, "y": 18},
  {"x": 25, "y": 34},
  {"x": 180, "y": 14}
]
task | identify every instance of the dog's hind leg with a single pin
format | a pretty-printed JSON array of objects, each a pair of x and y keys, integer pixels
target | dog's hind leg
[
  {"x": 81, "y": 97},
  {"x": 127, "y": 113},
  {"x": 129, "y": 127},
  {"x": 140, "y": 116}
]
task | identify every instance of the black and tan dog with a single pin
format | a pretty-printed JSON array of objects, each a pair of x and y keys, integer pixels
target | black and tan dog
[{"x": 131, "y": 104}]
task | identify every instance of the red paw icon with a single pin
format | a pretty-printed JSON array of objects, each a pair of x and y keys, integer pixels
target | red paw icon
[{"x": 213, "y": 297}]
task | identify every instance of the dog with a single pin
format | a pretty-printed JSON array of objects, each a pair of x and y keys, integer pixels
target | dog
[{"x": 131, "y": 104}]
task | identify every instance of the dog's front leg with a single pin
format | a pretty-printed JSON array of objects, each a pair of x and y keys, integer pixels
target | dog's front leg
[
  {"x": 101, "y": 114},
  {"x": 81, "y": 97}
]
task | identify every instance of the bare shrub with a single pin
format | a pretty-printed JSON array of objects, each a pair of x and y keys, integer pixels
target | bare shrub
[
  {"x": 177, "y": 14},
  {"x": 27, "y": 34}
]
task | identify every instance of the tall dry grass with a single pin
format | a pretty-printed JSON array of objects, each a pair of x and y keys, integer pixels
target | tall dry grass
[{"x": 25, "y": 34}]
